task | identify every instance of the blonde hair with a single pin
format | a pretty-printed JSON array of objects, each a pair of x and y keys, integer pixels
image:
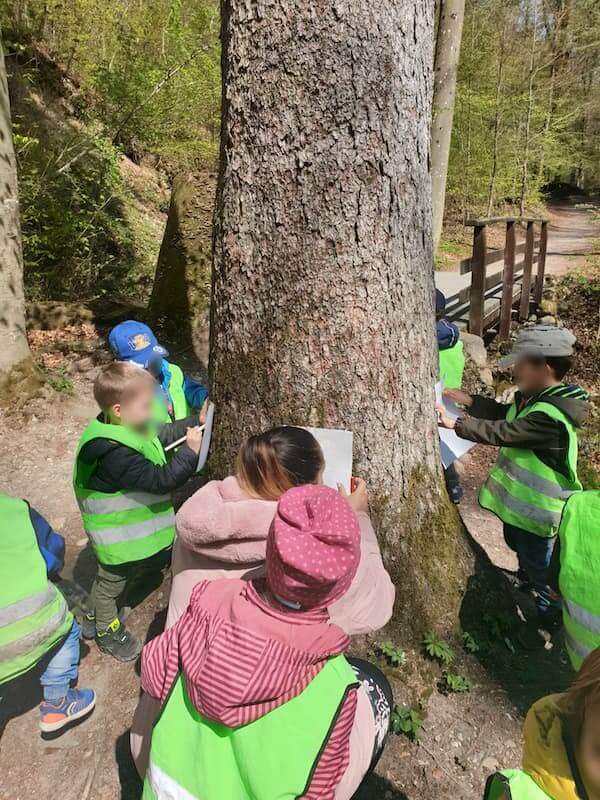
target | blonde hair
[
  {"x": 270, "y": 463},
  {"x": 119, "y": 382},
  {"x": 583, "y": 695}
]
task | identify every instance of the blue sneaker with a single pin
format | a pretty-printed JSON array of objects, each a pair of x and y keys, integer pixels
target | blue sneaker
[{"x": 76, "y": 704}]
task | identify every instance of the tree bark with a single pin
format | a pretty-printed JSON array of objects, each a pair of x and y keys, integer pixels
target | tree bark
[
  {"x": 322, "y": 306},
  {"x": 18, "y": 379},
  {"x": 447, "y": 54},
  {"x": 181, "y": 292}
]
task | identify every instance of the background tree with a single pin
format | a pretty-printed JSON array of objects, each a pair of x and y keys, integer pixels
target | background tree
[
  {"x": 447, "y": 54},
  {"x": 17, "y": 373},
  {"x": 322, "y": 306}
]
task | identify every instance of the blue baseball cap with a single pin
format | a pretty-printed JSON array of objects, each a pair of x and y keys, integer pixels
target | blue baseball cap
[{"x": 134, "y": 341}]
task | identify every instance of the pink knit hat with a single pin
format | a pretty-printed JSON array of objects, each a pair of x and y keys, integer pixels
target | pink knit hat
[{"x": 313, "y": 548}]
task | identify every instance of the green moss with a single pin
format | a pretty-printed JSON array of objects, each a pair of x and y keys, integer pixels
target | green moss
[{"x": 19, "y": 384}]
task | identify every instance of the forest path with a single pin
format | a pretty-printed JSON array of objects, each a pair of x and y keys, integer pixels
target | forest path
[{"x": 573, "y": 233}]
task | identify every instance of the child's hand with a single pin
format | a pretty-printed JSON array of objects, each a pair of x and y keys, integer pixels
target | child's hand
[
  {"x": 444, "y": 420},
  {"x": 359, "y": 498},
  {"x": 193, "y": 439},
  {"x": 458, "y": 396},
  {"x": 203, "y": 412}
]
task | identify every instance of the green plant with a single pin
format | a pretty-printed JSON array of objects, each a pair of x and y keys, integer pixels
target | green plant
[
  {"x": 407, "y": 721},
  {"x": 437, "y": 649},
  {"x": 470, "y": 643},
  {"x": 60, "y": 382},
  {"x": 453, "y": 682},
  {"x": 395, "y": 656}
]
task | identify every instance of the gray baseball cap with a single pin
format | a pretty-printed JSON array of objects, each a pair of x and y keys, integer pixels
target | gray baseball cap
[{"x": 542, "y": 340}]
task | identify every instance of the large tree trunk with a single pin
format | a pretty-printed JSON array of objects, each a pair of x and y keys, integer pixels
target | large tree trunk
[
  {"x": 447, "y": 54},
  {"x": 18, "y": 378},
  {"x": 322, "y": 305},
  {"x": 180, "y": 296}
]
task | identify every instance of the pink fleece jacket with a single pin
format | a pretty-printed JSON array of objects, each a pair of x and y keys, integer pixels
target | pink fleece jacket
[{"x": 222, "y": 533}]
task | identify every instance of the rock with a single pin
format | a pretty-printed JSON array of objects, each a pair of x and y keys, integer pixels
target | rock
[
  {"x": 506, "y": 393},
  {"x": 475, "y": 348},
  {"x": 486, "y": 376},
  {"x": 490, "y": 764},
  {"x": 549, "y": 307},
  {"x": 84, "y": 364},
  {"x": 533, "y": 318},
  {"x": 548, "y": 320}
]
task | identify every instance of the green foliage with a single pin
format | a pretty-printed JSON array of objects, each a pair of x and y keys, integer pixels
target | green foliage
[
  {"x": 453, "y": 682},
  {"x": 470, "y": 643},
  {"x": 60, "y": 382},
  {"x": 407, "y": 721},
  {"x": 437, "y": 649},
  {"x": 395, "y": 656}
]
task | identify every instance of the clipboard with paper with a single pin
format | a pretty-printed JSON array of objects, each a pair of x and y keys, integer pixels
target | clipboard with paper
[
  {"x": 337, "y": 450},
  {"x": 451, "y": 445}
]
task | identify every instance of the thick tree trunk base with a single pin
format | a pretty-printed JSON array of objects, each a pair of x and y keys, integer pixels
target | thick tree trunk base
[
  {"x": 20, "y": 384},
  {"x": 430, "y": 564}
]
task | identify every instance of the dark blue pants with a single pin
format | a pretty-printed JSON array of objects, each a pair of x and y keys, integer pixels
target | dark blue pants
[{"x": 534, "y": 554}]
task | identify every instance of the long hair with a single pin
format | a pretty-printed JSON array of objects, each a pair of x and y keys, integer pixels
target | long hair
[
  {"x": 582, "y": 697},
  {"x": 270, "y": 463}
]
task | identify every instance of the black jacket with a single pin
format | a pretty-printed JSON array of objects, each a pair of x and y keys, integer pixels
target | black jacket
[
  {"x": 486, "y": 423},
  {"x": 119, "y": 467}
]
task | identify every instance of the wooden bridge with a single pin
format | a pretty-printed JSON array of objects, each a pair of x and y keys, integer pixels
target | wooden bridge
[{"x": 490, "y": 284}]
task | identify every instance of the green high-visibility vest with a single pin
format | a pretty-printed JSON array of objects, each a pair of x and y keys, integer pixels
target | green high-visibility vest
[
  {"x": 452, "y": 366},
  {"x": 181, "y": 408},
  {"x": 579, "y": 534},
  {"x": 128, "y": 525},
  {"x": 272, "y": 758},
  {"x": 513, "y": 784},
  {"x": 34, "y": 615},
  {"x": 525, "y": 492}
]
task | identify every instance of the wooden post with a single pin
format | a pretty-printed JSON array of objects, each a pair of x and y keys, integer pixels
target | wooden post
[
  {"x": 477, "y": 294},
  {"x": 539, "y": 283},
  {"x": 508, "y": 281},
  {"x": 527, "y": 267}
]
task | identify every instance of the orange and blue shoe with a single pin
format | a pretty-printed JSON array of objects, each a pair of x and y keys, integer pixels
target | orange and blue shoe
[{"x": 76, "y": 704}]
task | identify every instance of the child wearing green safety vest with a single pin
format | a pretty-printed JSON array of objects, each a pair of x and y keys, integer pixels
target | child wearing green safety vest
[
  {"x": 37, "y": 630},
  {"x": 123, "y": 485},
  {"x": 574, "y": 574},
  {"x": 561, "y": 753},
  {"x": 177, "y": 394},
  {"x": 257, "y": 697},
  {"x": 536, "y": 469},
  {"x": 452, "y": 366}
]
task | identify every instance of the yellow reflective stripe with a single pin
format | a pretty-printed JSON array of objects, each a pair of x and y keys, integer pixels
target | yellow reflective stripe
[
  {"x": 28, "y": 643},
  {"x": 112, "y": 503},
  {"x": 164, "y": 786},
  {"x": 138, "y": 530},
  {"x": 531, "y": 479},
  {"x": 26, "y": 607},
  {"x": 520, "y": 507}
]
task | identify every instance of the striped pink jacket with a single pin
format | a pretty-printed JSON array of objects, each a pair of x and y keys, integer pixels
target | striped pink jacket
[{"x": 242, "y": 658}]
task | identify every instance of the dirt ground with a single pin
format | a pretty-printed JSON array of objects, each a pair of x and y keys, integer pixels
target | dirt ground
[{"x": 465, "y": 736}]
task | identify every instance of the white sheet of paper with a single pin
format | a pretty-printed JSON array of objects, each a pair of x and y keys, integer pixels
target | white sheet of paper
[
  {"x": 206, "y": 435},
  {"x": 337, "y": 449},
  {"x": 451, "y": 445}
]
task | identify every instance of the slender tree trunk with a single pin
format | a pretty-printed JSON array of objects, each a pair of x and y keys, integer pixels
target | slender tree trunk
[
  {"x": 497, "y": 118},
  {"x": 180, "y": 295},
  {"x": 322, "y": 304},
  {"x": 447, "y": 54},
  {"x": 18, "y": 378},
  {"x": 528, "y": 116}
]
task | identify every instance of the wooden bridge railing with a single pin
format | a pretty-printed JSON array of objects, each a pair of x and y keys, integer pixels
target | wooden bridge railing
[{"x": 513, "y": 291}]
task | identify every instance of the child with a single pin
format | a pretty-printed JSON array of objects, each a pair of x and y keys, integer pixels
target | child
[
  {"x": 123, "y": 485},
  {"x": 253, "y": 677},
  {"x": 36, "y": 626},
  {"x": 452, "y": 366},
  {"x": 561, "y": 755},
  {"x": 178, "y": 393},
  {"x": 222, "y": 532},
  {"x": 574, "y": 573},
  {"x": 536, "y": 469}
]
